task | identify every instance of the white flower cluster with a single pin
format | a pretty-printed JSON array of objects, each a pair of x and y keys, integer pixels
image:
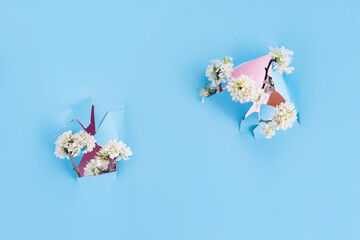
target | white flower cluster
[
  {"x": 284, "y": 116},
  {"x": 113, "y": 150},
  {"x": 219, "y": 70},
  {"x": 95, "y": 167},
  {"x": 243, "y": 90},
  {"x": 282, "y": 119},
  {"x": 68, "y": 143},
  {"x": 268, "y": 130},
  {"x": 259, "y": 97},
  {"x": 110, "y": 152},
  {"x": 282, "y": 57}
]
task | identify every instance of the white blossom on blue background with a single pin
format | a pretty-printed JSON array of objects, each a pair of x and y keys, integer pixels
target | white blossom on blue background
[
  {"x": 73, "y": 144},
  {"x": 114, "y": 149},
  {"x": 282, "y": 57},
  {"x": 242, "y": 89},
  {"x": 284, "y": 116},
  {"x": 219, "y": 71},
  {"x": 95, "y": 166},
  {"x": 268, "y": 130}
]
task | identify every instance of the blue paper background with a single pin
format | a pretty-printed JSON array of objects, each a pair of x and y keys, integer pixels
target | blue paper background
[{"x": 192, "y": 175}]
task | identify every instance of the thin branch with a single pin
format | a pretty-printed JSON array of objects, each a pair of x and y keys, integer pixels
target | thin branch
[
  {"x": 74, "y": 165},
  {"x": 265, "y": 121},
  {"x": 267, "y": 72},
  {"x": 219, "y": 90},
  {"x": 113, "y": 161}
]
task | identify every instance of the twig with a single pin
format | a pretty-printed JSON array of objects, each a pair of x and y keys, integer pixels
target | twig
[
  {"x": 74, "y": 165},
  {"x": 265, "y": 121},
  {"x": 112, "y": 163},
  {"x": 111, "y": 166},
  {"x": 267, "y": 72},
  {"x": 219, "y": 90}
]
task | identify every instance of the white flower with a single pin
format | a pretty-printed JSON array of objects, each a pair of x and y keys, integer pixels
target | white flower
[
  {"x": 226, "y": 67},
  {"x": 73, "y": 144},
  {"x": 268, "y": 131},
  {"x": 282, "y": 58},
  {"x": 243, "y": 89},
  {"x": 95, "y": 167},
  {"x": 219, "y": 70},
  {"x": 259, "y": 97},
  {"x": 86, "y": 140},
  {"x": 61, "y": 143},
  {"x": 284, "y": 116},
  {"x": 204, "y": 93},
  {"x": 113, "y": 150}
]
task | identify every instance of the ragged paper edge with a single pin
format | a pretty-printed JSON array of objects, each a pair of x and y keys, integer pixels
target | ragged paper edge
[
  {"x": 274, "y": 99},
  {"x": 92, "y": 130}
]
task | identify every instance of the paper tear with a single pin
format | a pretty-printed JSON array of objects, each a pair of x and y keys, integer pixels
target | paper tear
[
  {"x": 108, "y": 129},
  {"x": 256, "y": 69}
]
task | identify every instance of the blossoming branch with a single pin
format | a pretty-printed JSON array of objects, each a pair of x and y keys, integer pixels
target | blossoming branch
[
  {"x": 255, "y": 84},
  {"x": 109, "y": 154},
  {"x": 70, "y": 145},
  {"x": 96, "y": 159},
  {"x": 218, "y": 72}
]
